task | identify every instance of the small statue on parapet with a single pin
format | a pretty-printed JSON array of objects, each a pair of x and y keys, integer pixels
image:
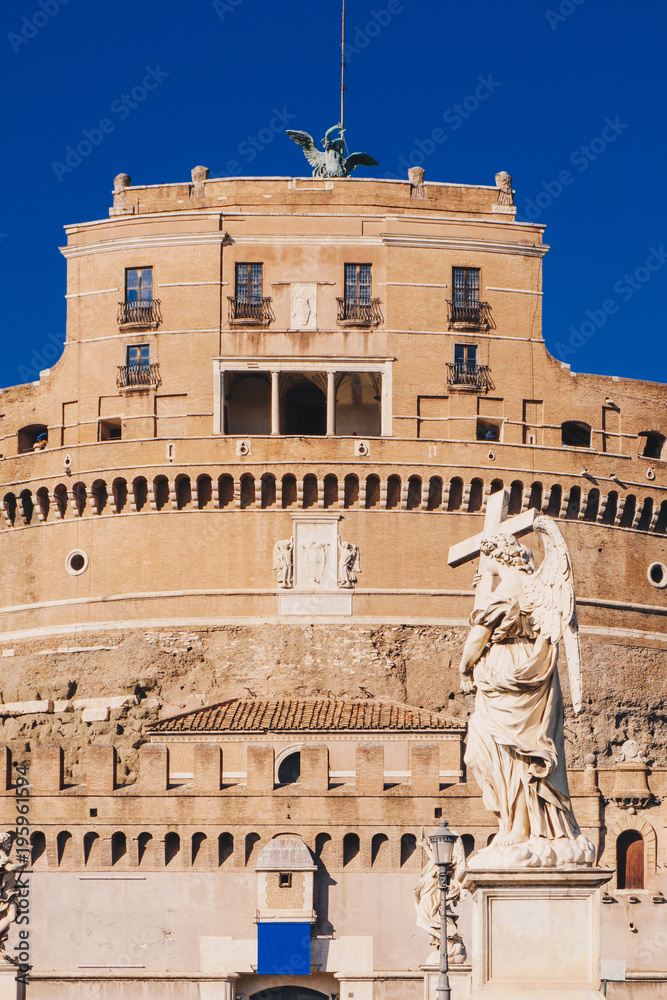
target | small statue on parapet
[{"x": 332, "y": 162}]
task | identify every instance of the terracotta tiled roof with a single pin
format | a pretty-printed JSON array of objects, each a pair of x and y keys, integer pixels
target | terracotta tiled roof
[{"x": 306, "y": 716}]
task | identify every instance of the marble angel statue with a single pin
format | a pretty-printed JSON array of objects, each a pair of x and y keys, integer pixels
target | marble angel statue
[
  {"x": 428, "y": 896},
  {"x": 515, "y": 745},
  {"x": 10, "y": 874}
]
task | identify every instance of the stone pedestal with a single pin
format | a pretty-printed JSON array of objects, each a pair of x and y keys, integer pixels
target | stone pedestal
[
  {"x": 459, "y": 981},
  {"x": 536, "y": 933},
  {"x": 9, "y": 988}
]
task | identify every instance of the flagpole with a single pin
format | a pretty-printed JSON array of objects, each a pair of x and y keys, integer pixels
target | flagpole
[{"x": 342, "y": 75}]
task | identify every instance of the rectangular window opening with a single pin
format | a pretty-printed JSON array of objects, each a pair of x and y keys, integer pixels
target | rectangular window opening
[
  {"x": 285, "y": 880},
  {"x": 139, "y": 284}
]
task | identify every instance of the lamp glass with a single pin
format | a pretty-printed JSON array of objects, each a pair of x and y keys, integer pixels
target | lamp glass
[{"x": 442, "y": 843}]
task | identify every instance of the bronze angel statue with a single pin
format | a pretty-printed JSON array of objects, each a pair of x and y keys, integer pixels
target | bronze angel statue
[
  {"x": 515, "y": 744},
  {"x": 332, "y": 162}
]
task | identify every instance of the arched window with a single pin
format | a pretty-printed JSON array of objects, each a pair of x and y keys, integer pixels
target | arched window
[
  {"x": 100, "y": 495},
  {"x": 628, "y": 514},
  {"x": 455, "y": 494},
  {"x": 434, "y": 493},
  {"x": 610, "y": 510},
  {"x": 140, "y": 491},
  {"x": 91, "y": 848},
  {"x": 249, "y": 404},
  {"x": 574, "y": 502},
  {"x": 27, "y": 506},
  {"x": 204, "y": 491},
  {"x": 32, "y": 437},
  {"x": 630, "y": 860},
  {"x": 309, "y": 491},
  {"x": 476, "y": 496},
  {"x": 647, "y": 515},
  {"x": 119, "y": 492},
  {"x": 9, "y": 500},
  {"x": 161, "y": 491},
  {"x": 330, "y": 491},
  {"x": 225, "y": 491},
  {"x": 43, "y": 502},
  {"x": 576, "y": 434},
  {"x": 172, "y": 847},
  {"x": 496, "y": 485},
  {"x": 225, "y": 848},
  {"x": 553, "y": 508},
  {"x": 323, "y": 844},
  {"x": 183, "y": 492},
  {"x": 79, "y": 493},
  {"x": 251, "y": 841},
  {"x": 372, "y": 492},
  {"x": 305, "y": 410},
  {"x": 516, "y": 497},
  {"x": 38, "y": 847},
  {"x": 289, "y": 491},
  {"x": 592, "y": 505},
  {"x": 468, "y": 844},
  {"x": 289, "y": 769},
  {"x": 351, "y": 491},
  {"x": 414, "y": 500},
  {"x": 268, "y": 488},
  {"x": 380, "y": 849},
  {"x": 247, "y": 491},
  {"x": 60, "y": 497},
  {"x": 63, "y": 845},
  {"x": 393, "y": 492},
  {"x": 408, "y": 847},
  {"x": 198, "y": 848},
  {"x": 350, "y": 848},
  {"x": 535, "y": 496},
  {"x": 118, "y": 847},
  {"x": 661, "y": 524},
  {"x": 651, "y": 444},
  {"x": 144, "y": 843}
]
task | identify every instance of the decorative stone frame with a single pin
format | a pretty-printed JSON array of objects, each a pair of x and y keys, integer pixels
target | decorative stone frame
[
  {"x": 68, "y": 562},
  {"x": 642, "y": 826}
]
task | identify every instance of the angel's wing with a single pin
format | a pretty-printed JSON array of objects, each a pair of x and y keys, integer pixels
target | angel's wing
[
  {"x": 307, "y": 143},
  {"x": 359, "y": 160},
  {"x": 550, "y": 593}
]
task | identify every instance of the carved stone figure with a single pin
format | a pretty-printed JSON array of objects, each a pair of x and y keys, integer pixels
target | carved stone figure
[
  {"x": 630, "y": 752},
  {"x": 9, "y": 874},
  {"x": 332, "y": 162},
  {"x": 504, "y": 183},
  {"x": 427, "y": 901},
  {"x": 348, "y": 564},
  {"x": 283, "y": 562},
  {"x": 199, "y": 178},
  {"x": 515, "y": 737},
  {"x": 316, "y": 560}
]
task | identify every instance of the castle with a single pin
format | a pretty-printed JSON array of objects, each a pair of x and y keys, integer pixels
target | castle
[{"x": 229, "y": 627}]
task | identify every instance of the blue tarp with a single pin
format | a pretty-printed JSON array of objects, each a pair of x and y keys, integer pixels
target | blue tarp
[{"x": 283, "y": 949}]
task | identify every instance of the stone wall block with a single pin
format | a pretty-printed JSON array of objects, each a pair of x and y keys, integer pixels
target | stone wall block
[
  {"x": 207, "y": 767},
  {"x": 425, "y": 768},
  {"x": 5, "y": 769},
  {"x": 315, "y": 767},
  {"x": 260, "y": 768},
  {"x": 47, "y": 769},
  {"x": 153, "y": 769},
  {"x": 101, "y": 764},
  {"x": 370, "y": 768}
]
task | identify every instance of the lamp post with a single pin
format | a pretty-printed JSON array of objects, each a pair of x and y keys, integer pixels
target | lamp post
[{"x": 442, "y": 845}]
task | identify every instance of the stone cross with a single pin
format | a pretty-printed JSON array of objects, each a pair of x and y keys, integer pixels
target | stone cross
[{"x": 496, "y": 522}]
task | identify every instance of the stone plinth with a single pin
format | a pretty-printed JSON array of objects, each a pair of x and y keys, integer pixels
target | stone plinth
[
  {"x": 9, "y": 988},
  {"x": 536, "y": 933},
  {"x": 459, "y": 981}
]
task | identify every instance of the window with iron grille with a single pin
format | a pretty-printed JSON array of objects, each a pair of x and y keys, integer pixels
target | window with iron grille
[
  {"x": 139, "y": 284},
  {"x": 138, "y": 355},
  {"x": 249, "y": 283},
  {"x": 358, "y": 283}
]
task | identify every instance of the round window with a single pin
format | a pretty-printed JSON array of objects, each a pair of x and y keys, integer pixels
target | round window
[
  {"x": 76, "y": 562},
  {"x": 657, "y": 575}
]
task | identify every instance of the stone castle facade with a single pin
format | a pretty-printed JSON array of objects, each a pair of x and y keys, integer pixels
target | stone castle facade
[{"x": 280, "y": 402}]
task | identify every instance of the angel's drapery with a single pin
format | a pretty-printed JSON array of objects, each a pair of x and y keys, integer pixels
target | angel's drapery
[{"x": 515, "y": 742}]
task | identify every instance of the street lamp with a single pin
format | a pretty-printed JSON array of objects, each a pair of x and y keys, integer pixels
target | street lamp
[{"x": 442, "y": 846}]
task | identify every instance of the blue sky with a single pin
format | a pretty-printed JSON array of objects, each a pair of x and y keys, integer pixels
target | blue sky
[{"x": 574, "y": 109}]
